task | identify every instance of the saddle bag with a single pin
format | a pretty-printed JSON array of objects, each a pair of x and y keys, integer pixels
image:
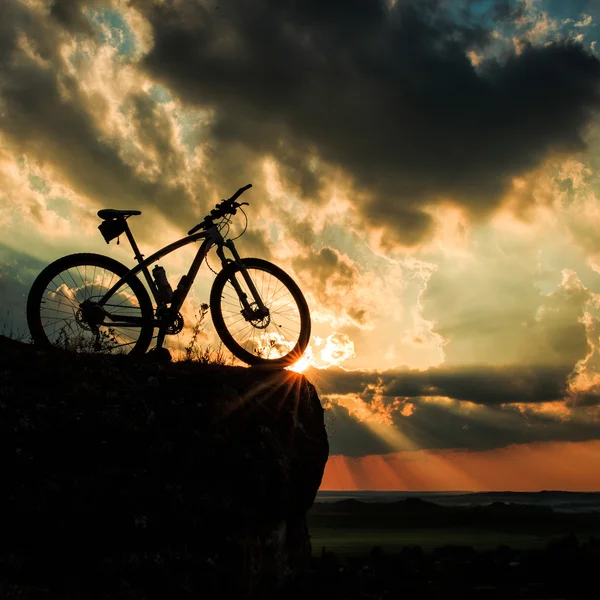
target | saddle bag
[{"x": 112, "y": 228}]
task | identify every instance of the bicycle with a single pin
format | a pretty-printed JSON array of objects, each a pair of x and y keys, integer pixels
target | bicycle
[{"x": 93, "y": 303}]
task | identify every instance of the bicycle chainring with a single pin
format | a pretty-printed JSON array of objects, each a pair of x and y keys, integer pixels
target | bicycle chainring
[{"x": 176, "y": 325}]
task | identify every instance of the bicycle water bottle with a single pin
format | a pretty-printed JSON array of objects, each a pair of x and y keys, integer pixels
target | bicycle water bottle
[
  {"x": 165, "y": 292},
  {"x": 182, "y": 289}
]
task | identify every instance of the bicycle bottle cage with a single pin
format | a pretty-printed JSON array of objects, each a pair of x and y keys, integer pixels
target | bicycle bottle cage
[{"x": 112, "y": 228}]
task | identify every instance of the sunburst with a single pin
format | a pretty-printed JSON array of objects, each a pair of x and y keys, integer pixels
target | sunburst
[{"x": 305, "y": 361}]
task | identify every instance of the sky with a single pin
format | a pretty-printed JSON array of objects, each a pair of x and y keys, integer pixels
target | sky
[{"x": 427, "y": 171}]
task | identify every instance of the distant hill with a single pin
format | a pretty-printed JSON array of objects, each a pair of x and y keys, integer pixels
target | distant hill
[
  {"x": 417, "y": 512},
  {"x": 558, "y": 500}
]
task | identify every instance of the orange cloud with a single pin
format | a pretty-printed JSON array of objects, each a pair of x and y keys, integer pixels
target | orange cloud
[
  {"x": 374, "y": 412},
  {"x": 571, "y": 466}
]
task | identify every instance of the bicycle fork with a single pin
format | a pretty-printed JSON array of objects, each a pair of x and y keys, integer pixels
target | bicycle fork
[{"x": 248, "y": 312}]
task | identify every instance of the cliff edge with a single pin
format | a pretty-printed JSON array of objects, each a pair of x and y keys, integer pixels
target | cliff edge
[{"x": 130, "y": 479}]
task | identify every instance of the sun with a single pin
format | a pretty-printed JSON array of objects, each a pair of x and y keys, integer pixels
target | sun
[
  {"x": 301, "y": 365},
  {"x": 305, "y": 361}
]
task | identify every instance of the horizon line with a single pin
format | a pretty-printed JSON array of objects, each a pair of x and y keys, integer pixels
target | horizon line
[{"x": 549, "y": 491}]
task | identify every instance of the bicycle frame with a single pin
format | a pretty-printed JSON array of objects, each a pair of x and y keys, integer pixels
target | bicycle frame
[{"x": 212, "y": 237}]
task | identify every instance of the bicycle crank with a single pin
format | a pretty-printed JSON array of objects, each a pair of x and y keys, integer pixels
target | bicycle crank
[{"x": 176, "y": 325}]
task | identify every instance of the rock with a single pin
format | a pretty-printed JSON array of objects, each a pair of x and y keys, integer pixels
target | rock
[{"x": 140, "y": 480}]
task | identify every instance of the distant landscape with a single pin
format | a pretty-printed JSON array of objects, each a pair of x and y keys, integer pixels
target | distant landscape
[
  {"x": 353, "y": 523},
  {"x": 558, "y": 500}
]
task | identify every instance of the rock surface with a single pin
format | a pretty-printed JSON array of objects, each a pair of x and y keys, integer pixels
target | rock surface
[{"x": 140, "y": 480}]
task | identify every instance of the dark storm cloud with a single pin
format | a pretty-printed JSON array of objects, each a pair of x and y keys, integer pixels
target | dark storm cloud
[
  {"x": 387, "y": 94},
  {"x": 508, "y": 408},
  {"x": 69, "y": 13},
  {"x": 484, "y": 385},
  {"x": 436, "y": 427},
  {"x": 480, "y": 385}
]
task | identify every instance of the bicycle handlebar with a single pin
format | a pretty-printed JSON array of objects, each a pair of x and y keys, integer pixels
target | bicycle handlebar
[
  {"x": 239, "y": 193},
  {"x": 225, "y": 207}
]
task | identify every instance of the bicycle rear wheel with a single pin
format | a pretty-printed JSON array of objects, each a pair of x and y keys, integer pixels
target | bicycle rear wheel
[
  {"x": 278, "y": 339},
  {"x": 64, "y": 309}
]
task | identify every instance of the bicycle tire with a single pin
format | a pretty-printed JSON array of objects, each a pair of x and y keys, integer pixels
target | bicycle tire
[
  {"x": 40, "y": 294},
  {"x": 218, "y": 297}
]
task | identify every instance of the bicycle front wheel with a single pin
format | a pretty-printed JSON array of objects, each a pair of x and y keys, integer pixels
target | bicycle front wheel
[
  {"x": 65, "y": 311},
  {"x": 278, "y": 338}
]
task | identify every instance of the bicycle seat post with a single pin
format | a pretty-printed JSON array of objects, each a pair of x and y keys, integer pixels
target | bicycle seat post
[
  {"x": 136, "y": 251},
  {"x": 140, "y": 258}
]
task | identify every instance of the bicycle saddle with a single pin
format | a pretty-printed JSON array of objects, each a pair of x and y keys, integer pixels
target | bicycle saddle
[{"x": 113, "y": 213}]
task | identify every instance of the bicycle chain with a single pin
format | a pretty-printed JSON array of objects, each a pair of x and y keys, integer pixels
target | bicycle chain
[{"x": 208, "y": 265}]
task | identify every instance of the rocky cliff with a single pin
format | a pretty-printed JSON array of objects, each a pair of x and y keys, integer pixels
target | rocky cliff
[{"x": 142, "y": 480}]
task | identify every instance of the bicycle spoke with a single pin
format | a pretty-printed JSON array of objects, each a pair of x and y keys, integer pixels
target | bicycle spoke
[
  {"x": 64, "y": 320},
  {"x": 56, "y": 310},
  {"x": 64, "y": 295},
  {"x": 269, "y": 336},
  {"x": 234, "y": 322}
]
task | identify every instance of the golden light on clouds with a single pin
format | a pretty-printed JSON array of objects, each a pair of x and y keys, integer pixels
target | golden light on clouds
[
  {"x": 371, "y": 413},
  {"x": 337, "y": 348},
  {"x": 558, "y": 410},
  {"x": 332, "y": 351},
  {"x": 376, "y": 415}
]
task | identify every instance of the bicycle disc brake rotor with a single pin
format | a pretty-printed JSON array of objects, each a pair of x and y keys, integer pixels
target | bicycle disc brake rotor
[{"x": 260, "y": 322}]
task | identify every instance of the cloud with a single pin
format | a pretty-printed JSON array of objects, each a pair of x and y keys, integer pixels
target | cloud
[
  {"x": 336, "y": 283},
  {"x": 337, "y": 348},
  {"x": 354, "y": 101},
  {"x": 68, "y": 103},
  {"x": 388, "y": 95},
  {"x": 479, "y": 384},
  {"x": 474, "y": 407},
  {"x": 69, "y": 13},
  {"x": 497, "y": 308},
  {"x": 364, "y": 423}
]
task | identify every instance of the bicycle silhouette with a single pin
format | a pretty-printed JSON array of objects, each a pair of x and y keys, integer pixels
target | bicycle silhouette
[{"x": 93, "y": 303}]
